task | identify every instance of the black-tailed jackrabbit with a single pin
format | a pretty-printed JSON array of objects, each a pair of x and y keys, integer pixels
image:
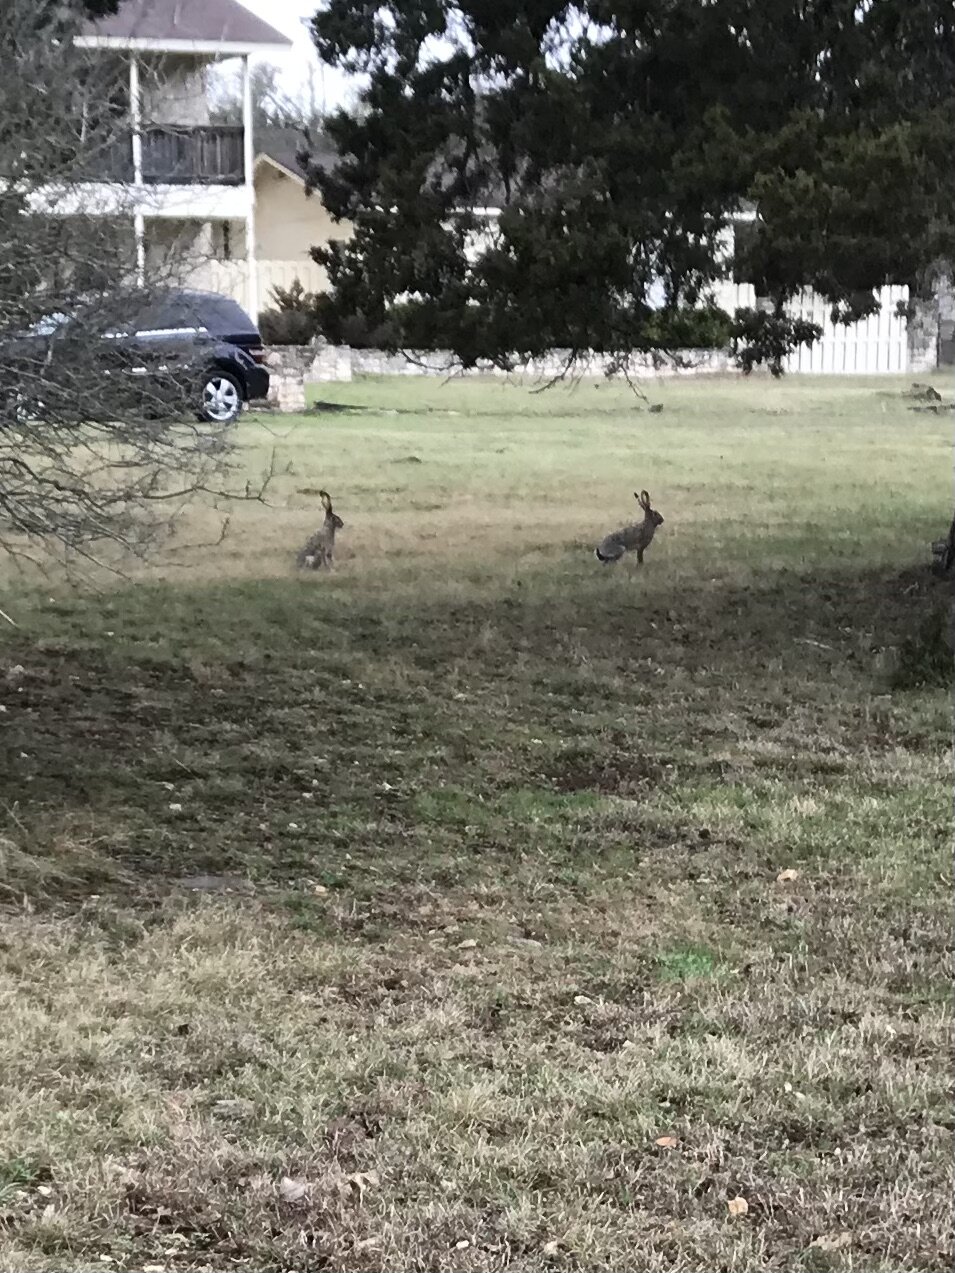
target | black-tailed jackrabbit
[
  {"x": 319, "y": 549},
  {"x": 631, "y": 538}
]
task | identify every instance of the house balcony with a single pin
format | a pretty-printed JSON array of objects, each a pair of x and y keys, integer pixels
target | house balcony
[{"x": 173, "y": 155}]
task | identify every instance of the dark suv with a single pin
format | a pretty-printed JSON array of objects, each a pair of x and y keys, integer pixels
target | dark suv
[
  {"x": 187, "y": 350},
  {"x": 217, "y": 347},
  {"x": 225, "y": 344}
]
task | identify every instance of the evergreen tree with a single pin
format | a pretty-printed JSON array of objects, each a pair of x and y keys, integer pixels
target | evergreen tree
[{"x": 619, "y": 140}]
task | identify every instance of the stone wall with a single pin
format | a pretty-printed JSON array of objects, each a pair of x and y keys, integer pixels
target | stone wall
[
  {"x": 931, "y": 330},
  {"x": 331, "y": 362},
  {"x": 946, "y": 321},
  {"x": 690, "y": 362},
  {"x": 291, "y": 367},
  {"x": 923, "y": 333}
]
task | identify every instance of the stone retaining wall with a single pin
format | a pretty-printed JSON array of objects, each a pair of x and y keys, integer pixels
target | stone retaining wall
[
  {"x": 293, "y": 366},
  {"x": 372, "y": 362}
]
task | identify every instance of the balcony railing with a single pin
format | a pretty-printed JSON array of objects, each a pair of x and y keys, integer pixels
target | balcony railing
[
  {"x": 175, "y": 155},
  {"x": 204, "y": 155}
]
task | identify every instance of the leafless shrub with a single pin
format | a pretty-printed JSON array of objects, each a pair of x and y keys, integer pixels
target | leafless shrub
[{"x": 99, "y": 443}]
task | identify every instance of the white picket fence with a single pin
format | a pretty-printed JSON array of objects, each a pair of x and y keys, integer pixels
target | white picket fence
[{"x": 876, "y": 345}]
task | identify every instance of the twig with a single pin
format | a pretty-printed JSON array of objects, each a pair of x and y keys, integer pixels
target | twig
[
  {"x": 213, "y": 543},
  {"x": 4, "y": 615}
]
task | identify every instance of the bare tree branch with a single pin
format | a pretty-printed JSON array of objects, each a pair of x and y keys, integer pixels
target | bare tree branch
[{"x": 98, "y": 440}]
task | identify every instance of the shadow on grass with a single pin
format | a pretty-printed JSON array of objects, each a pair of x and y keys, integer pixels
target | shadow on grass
[{"x": 256, "y": 730}]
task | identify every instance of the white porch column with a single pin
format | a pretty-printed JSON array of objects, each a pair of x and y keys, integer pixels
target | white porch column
[
  {"x": 251, "y": 263},
  {"x": 136, "y": 118},
  {"x": 136, "y": 121},
  {"x": 139, "y": 232}
]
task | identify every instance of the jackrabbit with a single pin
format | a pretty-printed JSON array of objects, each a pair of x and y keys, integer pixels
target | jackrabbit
[
  {"x": 319, "y": 549},
  {"x": 629, "y": 538}
]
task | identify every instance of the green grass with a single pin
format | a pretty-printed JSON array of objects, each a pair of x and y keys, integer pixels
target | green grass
[{"x": 515, "y": 865}]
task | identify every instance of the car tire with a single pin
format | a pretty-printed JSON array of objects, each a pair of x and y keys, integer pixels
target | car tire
[{"x": 221, "y": 397}]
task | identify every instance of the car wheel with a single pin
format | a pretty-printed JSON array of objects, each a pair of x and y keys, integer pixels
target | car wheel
[{"x": 221, "y": 398}]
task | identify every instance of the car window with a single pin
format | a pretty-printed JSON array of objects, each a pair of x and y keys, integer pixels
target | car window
[
  {"x": 223, "y": 316},
  {"x": 178, "y": 313},
  {"x": 166, "y": 315},
  {"x": 194, "y": 311}
]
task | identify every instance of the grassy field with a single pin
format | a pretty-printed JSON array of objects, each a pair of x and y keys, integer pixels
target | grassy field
[{"x": 474, "y": 907}]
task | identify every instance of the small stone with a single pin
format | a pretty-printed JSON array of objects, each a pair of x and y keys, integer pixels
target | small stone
[
  {"x": 832, "y": 1241},
  {"x": 292, "y": 1190},
  {"x": 233, "y": 1107}
]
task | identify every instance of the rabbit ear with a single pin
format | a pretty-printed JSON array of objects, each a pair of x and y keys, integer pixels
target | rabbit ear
[{"x": 644, "y": 499}]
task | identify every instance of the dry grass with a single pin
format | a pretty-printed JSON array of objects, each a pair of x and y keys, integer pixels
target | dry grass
[{"x": 502, "y": 836}]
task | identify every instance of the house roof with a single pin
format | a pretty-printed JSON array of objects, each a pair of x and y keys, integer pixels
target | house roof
[
  {"x": 183, "y": 23},
  {"x": 282, "y": 146}
]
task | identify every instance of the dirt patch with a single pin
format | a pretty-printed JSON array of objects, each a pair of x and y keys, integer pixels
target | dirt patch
[{"x": 610, "y": 776}]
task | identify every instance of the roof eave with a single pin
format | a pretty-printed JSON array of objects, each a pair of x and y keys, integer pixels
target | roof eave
[
  {"x": 263, "y": 158},
  {"x": 211, "y": 48}
]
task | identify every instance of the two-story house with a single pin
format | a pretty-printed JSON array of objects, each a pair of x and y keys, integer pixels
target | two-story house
[{"x": 185, "y": 183}]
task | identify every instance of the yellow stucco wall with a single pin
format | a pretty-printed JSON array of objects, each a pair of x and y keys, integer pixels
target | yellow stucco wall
[{"x": 288, "y": 224}]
